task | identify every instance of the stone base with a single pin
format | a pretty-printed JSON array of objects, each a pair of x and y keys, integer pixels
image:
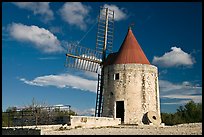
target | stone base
[{"x": 90, "y": 122}]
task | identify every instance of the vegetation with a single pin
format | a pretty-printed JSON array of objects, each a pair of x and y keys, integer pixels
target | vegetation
[
  {"x": 35, "y": 115},
  {"x": 189, "y": 113}
]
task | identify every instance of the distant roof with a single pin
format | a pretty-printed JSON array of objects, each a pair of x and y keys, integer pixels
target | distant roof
[{"x": 129, "y": 52}]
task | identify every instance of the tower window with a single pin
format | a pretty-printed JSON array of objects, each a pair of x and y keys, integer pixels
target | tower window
[{"x": 116, "y": 76}]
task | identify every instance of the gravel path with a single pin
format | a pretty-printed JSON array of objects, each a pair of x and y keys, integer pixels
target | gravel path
[{"x": 183, "y": 129}]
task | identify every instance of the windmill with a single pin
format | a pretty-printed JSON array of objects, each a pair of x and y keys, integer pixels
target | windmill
[{"x": 83, "y": 58}]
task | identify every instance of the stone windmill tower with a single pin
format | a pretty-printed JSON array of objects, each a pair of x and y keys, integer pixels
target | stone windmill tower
[
  {"x": 131, "y": 90},
  {"x": 127, "y": 84}
]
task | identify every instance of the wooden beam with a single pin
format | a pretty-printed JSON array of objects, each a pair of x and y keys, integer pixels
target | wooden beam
[{"x": 83, "y": 58}]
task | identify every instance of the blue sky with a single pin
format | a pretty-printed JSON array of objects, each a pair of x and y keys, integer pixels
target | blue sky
[{"x": 34, "y": 37}]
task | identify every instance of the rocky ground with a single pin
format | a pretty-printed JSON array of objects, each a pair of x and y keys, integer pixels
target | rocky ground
[{"x": 182, "y": 129}]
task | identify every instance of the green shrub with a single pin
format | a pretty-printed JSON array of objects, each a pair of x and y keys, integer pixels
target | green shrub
[{"x": 189, "y": 113}]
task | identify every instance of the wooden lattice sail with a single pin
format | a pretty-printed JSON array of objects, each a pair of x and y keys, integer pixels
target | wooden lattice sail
[{"x": 92, "y": 60}]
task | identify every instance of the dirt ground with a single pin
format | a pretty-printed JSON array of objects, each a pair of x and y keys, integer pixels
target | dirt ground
[{"x": 182, "y": 129}]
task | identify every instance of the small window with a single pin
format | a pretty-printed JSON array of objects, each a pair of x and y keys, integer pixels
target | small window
[{"x": 116, "y": 76}]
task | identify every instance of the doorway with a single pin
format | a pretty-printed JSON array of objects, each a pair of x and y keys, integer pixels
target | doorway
[{"x": 120, "y": 110}]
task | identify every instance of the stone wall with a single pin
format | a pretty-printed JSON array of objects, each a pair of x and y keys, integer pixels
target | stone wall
[
  {"x": 88, "y": 122},
  {"x": 20, "y": 131},
  {"x": 137, "y": 86}
]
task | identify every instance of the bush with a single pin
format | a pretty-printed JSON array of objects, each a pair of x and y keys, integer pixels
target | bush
[{"x": 189, "y": 113}]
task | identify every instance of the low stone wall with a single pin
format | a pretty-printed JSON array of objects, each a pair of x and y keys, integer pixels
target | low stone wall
[
  {"x": 20, "y": 131},
  {"x": 88, "y": 122}
]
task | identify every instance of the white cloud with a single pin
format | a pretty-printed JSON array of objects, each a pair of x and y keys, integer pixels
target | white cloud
[
  {"x": 91, "y": 74},
  {"x": 48, "y": 58},
  {"x": 176, "y": 57},
  {"x": 56, "y": 29},
  {"x": 63, "y": 81},
  {"x": 120, "y": 13},
  {"x": 88, "y": 112},
  {"x": 163, "y": 72},
  {"x": 183, "y": 91},
  {"x": 5, "y": 35},
  {"x": 40, "y": 37},
  {"x": 75, "y": 13},
  {"x": 41, "y": 8},
  {"x": 85, "y": 112},
  {"x": 176, "y": 102}
]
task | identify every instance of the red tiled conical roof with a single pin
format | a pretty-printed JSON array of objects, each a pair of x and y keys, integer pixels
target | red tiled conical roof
[{"x": 129, "y": 52}]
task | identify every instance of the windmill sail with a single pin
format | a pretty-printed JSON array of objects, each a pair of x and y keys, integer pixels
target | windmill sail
[
  {"x": 105, "y": 30},
  {"x": 104, "y": 43},
  {"x": 83, "y": 58},
  {"x": 92, "y": 60}
]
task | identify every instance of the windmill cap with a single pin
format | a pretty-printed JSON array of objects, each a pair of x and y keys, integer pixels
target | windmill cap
[{"x": 129, "y": 52}]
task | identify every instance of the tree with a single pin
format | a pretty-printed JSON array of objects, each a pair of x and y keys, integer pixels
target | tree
[
  {"x": 35, "y": 113},
  {"x": 191, "y": 112},
  {"x": 11, "y": 109}
]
